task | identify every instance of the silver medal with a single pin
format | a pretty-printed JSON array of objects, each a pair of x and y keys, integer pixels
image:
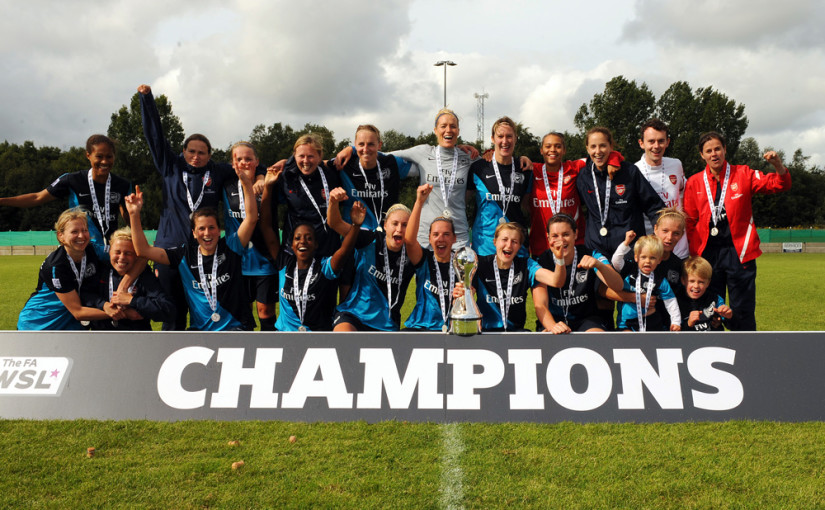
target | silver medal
[
  {"x": 444, "y": 328},
  {"x": 445, "y": 213},
  {"x": 302, "y": 329},
  {"x": 216, "y": 317},
  {"x": 114, "y": 324},
  {"x": 502, "y": 220},
  {"x": 85, "y": 323},
  {"x": 714, "y": 231},
  {"x": 603, "y": 231}
]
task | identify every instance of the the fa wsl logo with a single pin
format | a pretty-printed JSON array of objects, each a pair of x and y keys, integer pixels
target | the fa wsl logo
[{"x": 44, "y": 376}]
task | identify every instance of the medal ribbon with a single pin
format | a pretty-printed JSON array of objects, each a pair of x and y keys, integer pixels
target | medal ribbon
[
  {"x": 312, "y": 199},
  {"x": 194, "y": 205},
  {"x": 504, "y": 302},
  {"x": 301, "y": 298},
  {"x": 381, "y": 181},
  {"x": 210, "y": 293},
  {"x": 78, "y": 275},
  {"x": 608, "y": 183},
  {"x": 441, "y": 290},
  {"x": 389, "y": 276},
  {"x": 506, "y": 198},
  {"x": 716, "y": 209},
  {"x": 104, "y": 220},
  {"x": 572, "y": 281},
  {"x": 640, "y": 312},
  {"x": 446, "y": 193}
]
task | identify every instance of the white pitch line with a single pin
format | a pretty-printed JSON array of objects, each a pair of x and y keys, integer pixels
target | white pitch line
[{"x": 452, "y": 476}]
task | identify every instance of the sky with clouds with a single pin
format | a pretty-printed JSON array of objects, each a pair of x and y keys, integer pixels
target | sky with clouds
[{"x": 229, "y": 65}]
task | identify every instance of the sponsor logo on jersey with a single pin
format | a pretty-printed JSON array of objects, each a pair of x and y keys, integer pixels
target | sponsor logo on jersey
[
  {"x": 620, "y": 189},
  {"x": 514, "y": 300},
  {"x": 43, "y": 376},
  {"x": 56, "y": 283}
]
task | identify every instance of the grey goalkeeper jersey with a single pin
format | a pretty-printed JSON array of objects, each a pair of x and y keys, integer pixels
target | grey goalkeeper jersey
[{"x": 424, "y": 159}]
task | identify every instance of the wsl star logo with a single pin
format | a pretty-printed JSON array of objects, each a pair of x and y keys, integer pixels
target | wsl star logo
[{"x": 41, "y": 376}]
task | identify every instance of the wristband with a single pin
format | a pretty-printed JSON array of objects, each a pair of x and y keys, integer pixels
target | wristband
[{"x": 558, "y": 261}]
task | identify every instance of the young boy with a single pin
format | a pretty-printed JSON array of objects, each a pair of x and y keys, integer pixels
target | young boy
[
  {"x": 639, "y": 277},
  {"x": 701, "y": 310}
]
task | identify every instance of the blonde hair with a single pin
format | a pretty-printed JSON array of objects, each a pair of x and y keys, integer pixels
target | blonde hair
[
  {"x": 242, "y": 144},
  {"x": 505, "y": 121},
  {"x": 370, "y": 128},
  {"x": 672, "y": 213},
  {"x": 650, "y": 243},
  {"x": 75, "y": 213},
  {"x": 121, "y": 234},
  {"x": 445, "y": 111},
  {"x": 395, "y": 208},
  {"x": 510, "y": 226},
  {"x": 698, "y": 266},
  {"x": 312, "y": 140}
]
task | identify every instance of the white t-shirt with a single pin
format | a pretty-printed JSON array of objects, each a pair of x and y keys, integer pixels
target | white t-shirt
[{"x": 668, "y": 180}]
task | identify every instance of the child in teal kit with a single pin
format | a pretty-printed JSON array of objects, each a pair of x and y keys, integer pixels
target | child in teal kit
[{"x": 639, "y": 277}]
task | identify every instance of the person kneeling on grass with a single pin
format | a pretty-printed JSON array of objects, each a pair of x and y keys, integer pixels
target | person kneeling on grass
[
  {"x": 701, "y": 310},
  {"x": 308, "y": 281},
  {"x": 573, "y": 306},
  {"x": 382, "y": 271},
  {"x": 142, "y": 302},
  {"x": 640, "y": 277},
  {"x": 56, "y": 303},
  {"x": 502, "y": 280},
  {"x": 210, "y": 266}
]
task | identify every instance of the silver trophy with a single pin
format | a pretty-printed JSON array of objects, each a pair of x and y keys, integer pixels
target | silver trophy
[{"x": 464, "y": 315}]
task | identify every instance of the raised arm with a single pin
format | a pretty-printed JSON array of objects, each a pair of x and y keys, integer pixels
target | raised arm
[
  {"x": 334, "y": 219},
  {"x": 414, "y": 250},
  {"x": 159, "y": 147},
  {"x": 134, "y": 203},
  {"x": 268, "y": 230},
  {"x": 247, "y": 226},
  {"x": 28, "y": 199},
  {"x": 358, "y": 213}
]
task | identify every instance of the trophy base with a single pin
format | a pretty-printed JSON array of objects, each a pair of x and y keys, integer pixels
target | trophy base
[{"x": 464, "y": 327}]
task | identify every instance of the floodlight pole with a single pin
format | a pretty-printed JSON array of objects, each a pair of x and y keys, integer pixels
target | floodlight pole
[{"x": 445, "y": 63}]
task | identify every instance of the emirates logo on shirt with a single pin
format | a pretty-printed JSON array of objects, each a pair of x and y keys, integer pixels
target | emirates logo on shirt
[
  {"x": 620, "y": 189},
  {"x": 673, "y": 179}
]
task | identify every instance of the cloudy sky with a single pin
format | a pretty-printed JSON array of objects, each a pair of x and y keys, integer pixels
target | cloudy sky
[{"x": 229, "y": 65}]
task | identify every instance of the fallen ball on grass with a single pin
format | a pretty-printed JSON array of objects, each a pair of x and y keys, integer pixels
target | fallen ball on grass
[
  {"x": 292, "y": 439},
  {"x": 237, "y": 465}
]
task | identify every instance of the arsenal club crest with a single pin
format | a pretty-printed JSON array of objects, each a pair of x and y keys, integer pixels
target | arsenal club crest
[
  {"x": 673, "y": 179},
  {"x": 620, "y": 188},
  {"x": 734, "y": 187},
  {"x": 567, "y": 179}
]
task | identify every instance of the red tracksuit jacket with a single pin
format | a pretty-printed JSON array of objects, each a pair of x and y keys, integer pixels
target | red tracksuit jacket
[{"x": 743, "y": 183}]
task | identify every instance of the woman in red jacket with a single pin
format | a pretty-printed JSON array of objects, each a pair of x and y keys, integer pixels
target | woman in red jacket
[{"x": 720, "y": 228}]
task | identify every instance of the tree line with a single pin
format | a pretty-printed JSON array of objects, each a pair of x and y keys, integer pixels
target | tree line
[{"x": 623, "y": 106}]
